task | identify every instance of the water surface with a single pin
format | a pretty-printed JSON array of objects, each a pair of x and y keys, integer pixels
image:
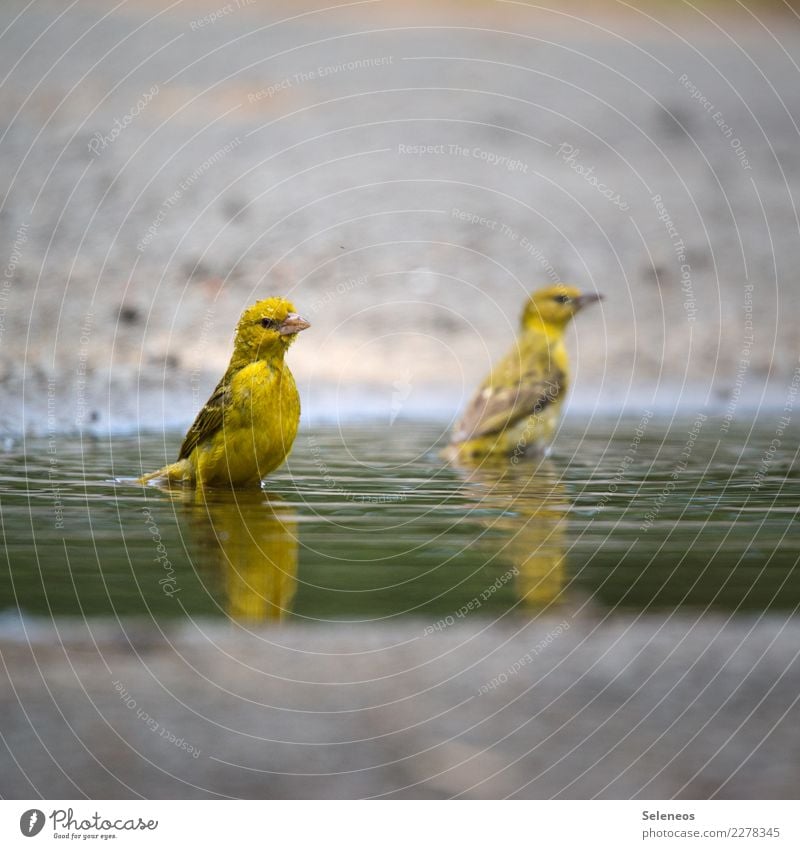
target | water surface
[{"x": 368, "y": 523}]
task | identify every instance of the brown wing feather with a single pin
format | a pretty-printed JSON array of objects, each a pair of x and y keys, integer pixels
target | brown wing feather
[
  {"x": 209, "y": 419},
  {"x": 495, "y": 408}
]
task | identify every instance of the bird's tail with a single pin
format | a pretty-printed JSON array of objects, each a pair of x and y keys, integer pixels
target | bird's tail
[{"x": 179, "y": 472}]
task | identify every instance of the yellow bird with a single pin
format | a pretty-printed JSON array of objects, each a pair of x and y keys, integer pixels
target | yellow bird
[
  {"x": 248, "y": 425},
  {"x": 516, "y": 408}
]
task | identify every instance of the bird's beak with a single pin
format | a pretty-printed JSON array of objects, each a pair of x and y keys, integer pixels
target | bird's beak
[
  {"x": 588, "y": 298},
  {"x": 293, "y": 323}
]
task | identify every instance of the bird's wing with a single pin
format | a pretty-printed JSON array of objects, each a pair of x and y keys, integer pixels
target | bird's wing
[
  {"x": 209, "y": 419},
  {"x": 500, "y": 404}
]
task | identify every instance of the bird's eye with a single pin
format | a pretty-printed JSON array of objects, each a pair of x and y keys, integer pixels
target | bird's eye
[
  {"x": 269, "y": 323},
  {"x": 562, "y": 299}
]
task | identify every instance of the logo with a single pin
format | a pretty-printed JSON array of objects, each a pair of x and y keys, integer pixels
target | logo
[{"x": 31, "y": 822}]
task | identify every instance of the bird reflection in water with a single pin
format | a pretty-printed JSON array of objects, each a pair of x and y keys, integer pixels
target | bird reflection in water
[
  {"x": 253, "y": 537},
  {"x": 525, "y": 508}
]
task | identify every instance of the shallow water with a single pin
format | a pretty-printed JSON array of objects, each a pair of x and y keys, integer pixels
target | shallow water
[{"x": 368, "y": 523}]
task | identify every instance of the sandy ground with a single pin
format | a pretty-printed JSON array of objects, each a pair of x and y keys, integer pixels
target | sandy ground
[
  {"x": 406, "y": 174},
  {"x": 685, "y": 707}
]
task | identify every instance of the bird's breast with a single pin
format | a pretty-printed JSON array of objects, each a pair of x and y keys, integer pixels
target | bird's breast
[{"x": 262, "y": 423}]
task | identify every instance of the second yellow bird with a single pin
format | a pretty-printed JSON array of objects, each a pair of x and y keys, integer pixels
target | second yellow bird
[{"x": 516, "y": 408}]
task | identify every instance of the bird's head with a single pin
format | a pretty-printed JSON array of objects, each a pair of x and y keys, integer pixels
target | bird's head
[
  {"x": 267, "y": 329},
  {"x": 555, "y": 306}
]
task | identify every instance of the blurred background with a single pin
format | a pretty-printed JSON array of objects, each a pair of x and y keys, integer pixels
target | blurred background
[
  {"x": 618, "y": 620},
  {"x": 406, "y": 173}
]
